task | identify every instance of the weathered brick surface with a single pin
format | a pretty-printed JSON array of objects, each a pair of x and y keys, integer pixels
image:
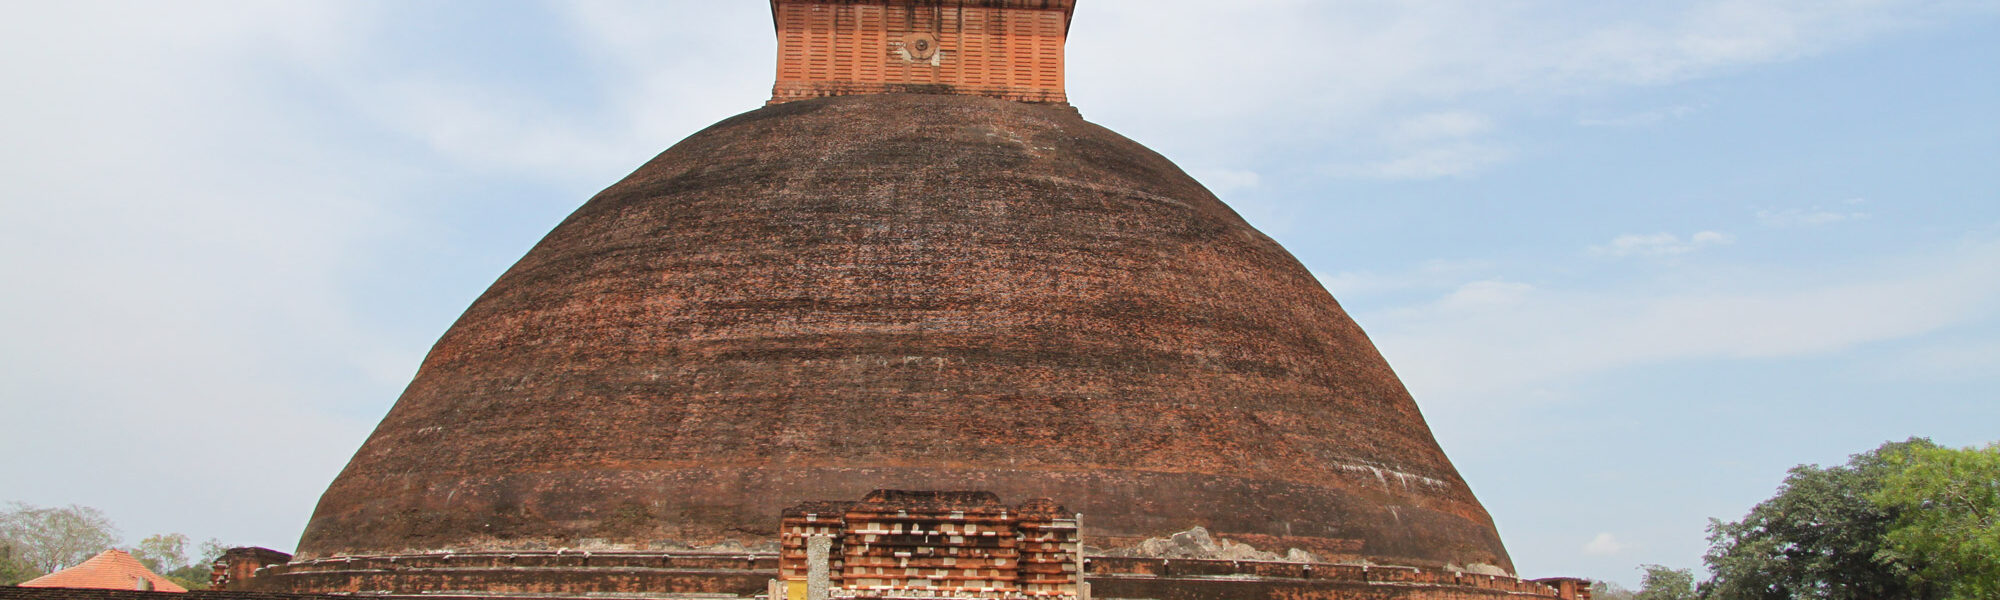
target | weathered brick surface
[
  {"x": 1010, "y": 49},
  {"x": 564, "y": 574},
  {"x": 1245, "y": 589},
  {"x": 242, "y": 563},
  {"x": 826, "y": 297},
  {"x": 21, "y": 593},
  {"x": 963, "y": 544},
  {"x": 576, "y": 575},
  {"x": 1172, "y": 579}
]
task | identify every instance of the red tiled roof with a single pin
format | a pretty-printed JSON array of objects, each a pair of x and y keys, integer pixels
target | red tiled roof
[{"x": 109, "y": 570}]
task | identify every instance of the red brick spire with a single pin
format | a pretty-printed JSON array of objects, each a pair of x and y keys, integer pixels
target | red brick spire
[{"x": 1011, "y": 49}]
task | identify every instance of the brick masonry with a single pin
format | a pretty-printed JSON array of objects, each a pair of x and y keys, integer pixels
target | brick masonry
[
  {"x": 897, "y": 544},
  {"x": 916, "y": 269},
  {"x": 21, "y": 593},
  {"x": 576, "y": 575},
  {"x": 1010, "y": 49},
  {"x": 822, "y": 298}
]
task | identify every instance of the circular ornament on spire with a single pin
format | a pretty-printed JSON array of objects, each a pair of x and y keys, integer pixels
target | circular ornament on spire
[{"x": 920, "y": 46}]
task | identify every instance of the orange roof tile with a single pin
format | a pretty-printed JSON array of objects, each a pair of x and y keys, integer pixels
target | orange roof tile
[{"x": 109, "y": 570}]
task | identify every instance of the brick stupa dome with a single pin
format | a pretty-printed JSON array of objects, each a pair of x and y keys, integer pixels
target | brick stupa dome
[
  {"x": 825, "y": 297},
  {"x": 917, "y": 269}
]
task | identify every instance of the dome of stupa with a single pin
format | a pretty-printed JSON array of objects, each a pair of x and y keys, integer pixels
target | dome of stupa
[{"x": 821, "y": 298}]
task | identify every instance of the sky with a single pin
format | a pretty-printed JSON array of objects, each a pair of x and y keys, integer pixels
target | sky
[{"x": 1634, "y": 259}]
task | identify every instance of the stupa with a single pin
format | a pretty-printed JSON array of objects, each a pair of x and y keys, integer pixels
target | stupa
[{"x": 917, "y": 268}]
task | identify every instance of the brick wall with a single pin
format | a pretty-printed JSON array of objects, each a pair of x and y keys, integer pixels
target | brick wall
[
  {"x": 1011, "y": 49},
  {"x": 926, "y": 543},
  {"x": 1175, "y": 579},
  {"x": 571, "y": 574},
  {"x": 525, "y": 574},
  {"x": 21, "y": 593}
]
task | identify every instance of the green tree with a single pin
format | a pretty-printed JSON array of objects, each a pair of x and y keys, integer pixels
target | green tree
[
  {"x": 13, "y": 571},
  {"x": 195, "y": 576},
  {"x": 1662, "y": 583},
  {"x": 166, "y": 554},
  {"x": 1820, "y": 538},
  {"x": 1947, "y": 503},
  {"x": 45, "y": 539}
]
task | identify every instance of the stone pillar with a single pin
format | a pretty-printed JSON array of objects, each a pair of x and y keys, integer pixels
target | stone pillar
[{"x": 819, "y": 578}]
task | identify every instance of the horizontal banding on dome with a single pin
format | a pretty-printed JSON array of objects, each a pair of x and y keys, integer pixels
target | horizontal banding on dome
[{"x": 827, "y": 297}]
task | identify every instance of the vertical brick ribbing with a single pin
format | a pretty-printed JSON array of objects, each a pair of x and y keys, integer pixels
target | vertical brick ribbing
[{"x": 1011, "y": 50}]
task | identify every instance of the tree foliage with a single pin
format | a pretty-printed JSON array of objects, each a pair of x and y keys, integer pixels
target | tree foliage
[
  {"x": 1822, "y": 537},
  {"x": 162, "y": 552},
  {"x": 167, "y": 555},
  {"x": 1661, "y": 583},
  {"x": 13, "y": 572},
  {"x": 212, "y": 549},
  {"x": 36, "y": 541},
  {"x": 1947, "y": 507},
  {"x": 1608, "y": 590},
  {"x": 195, "y": 575},
  {"x": 46, "y": 539}
]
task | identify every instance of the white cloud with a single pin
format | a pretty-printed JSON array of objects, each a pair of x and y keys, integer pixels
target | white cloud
[
  {"x": 655, "y": 92},
  {"x": 1603, "y": 545},
  {"x": 1641, "y": 119},
  {"x": 1958, "y": 360},
  {"x": 1279, "y": 75},
  {"x": 1482, "y": 296},
  {"x": 1226, "y": 182},
  {"x": 174, "y": 246},
  {"x": 1487, "y": 336},
  {"x": 1660, "y": 244},
  {"x": 1446, "y": 160},
  {"x": 1442, "y": 125},
  {"x": 200, "y": 190},
  {"x": 1431, "y": 146},
  {"x": 1809, "y": 217},
  {"x": 475, "y": 127},
  {"x": 1435, "y": 274}
]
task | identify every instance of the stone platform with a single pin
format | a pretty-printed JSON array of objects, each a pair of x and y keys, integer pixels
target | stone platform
[{"x": 683, "y": 576}]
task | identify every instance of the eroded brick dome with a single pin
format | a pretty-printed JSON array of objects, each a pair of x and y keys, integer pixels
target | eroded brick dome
[{"x": 822, "y": 298}]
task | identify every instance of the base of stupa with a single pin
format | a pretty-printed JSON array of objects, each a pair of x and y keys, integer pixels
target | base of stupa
[{"x": 677, "y": 576}]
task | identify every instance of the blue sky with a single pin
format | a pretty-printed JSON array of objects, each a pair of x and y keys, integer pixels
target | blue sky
[{"x": 1633, "y": 259}]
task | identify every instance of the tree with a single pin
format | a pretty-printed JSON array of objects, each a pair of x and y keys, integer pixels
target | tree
[
  {"x": 1947, "y": 503},
  {"x": 1821, "y": 538},
  {"x": 36, "y": 541},
  {"x": 195, "y": 576},
  {"x": 166, "y": 554},
  {"x": 1662, "y": 583},
  {"x": 1606, "y": 590},
  {"x": 12, "y": 571},
  {"x": 212, "y": 549},
  {"x": 162, "y": 553},
  {"x": 46, "y": 539}
]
